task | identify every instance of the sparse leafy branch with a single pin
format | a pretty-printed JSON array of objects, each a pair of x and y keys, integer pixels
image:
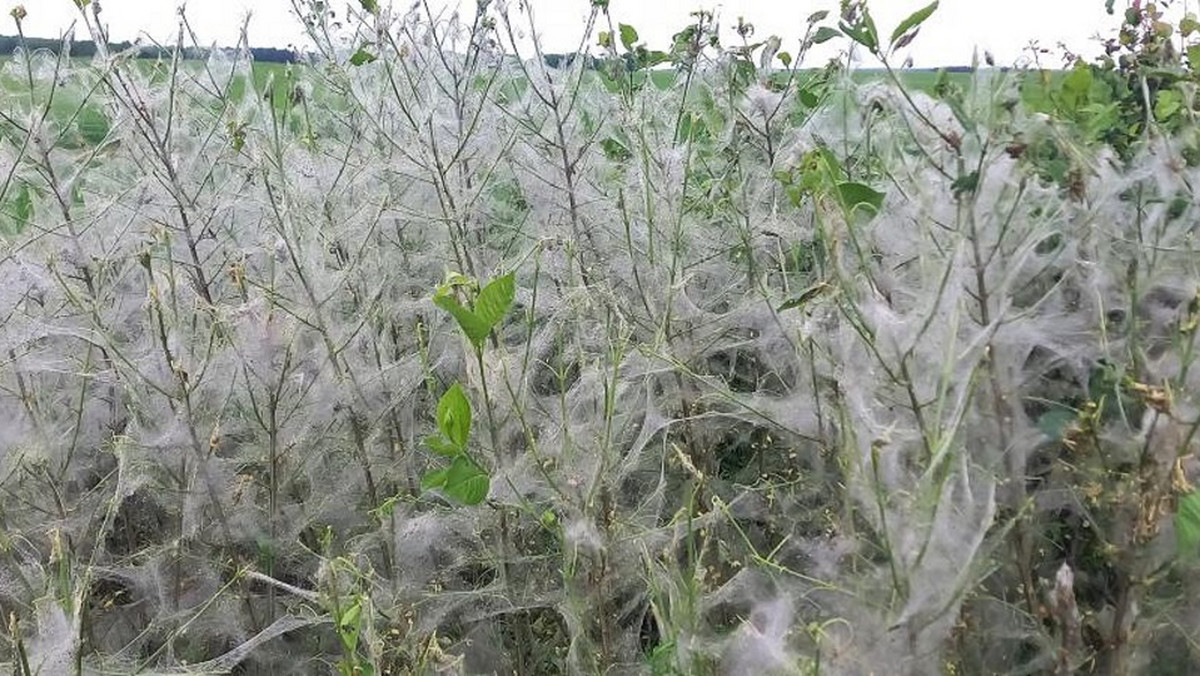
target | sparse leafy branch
[
  {"x": 465, "y": 479},
  {"x": 351, "y": 612}
]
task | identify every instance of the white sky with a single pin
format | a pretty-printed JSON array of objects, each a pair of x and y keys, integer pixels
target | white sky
[{"x": 949, "y": 38}]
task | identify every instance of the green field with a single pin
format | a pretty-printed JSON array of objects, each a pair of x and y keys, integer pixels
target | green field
[
  {"x": 71, "y": 104},
  {"x": 92, "y": 125},
  {"x": 89, "y": 124}
]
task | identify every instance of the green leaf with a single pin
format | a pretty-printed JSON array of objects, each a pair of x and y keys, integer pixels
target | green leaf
[
  {"x": 474, "y": 328},
  {"x": 965, "y": 184},
  {"x": 652, "y": 58},
  {"x": 435, "y": 479},
  {"x": 615, "y": 150},
  {"x": 1055, "y": 422},
  {"x": 23, "y": 206},
  {"x": 466, "y": 482},
  {"x": 454, "y": 416},
  {"x": 495, "y": 299},
  {"x": 385, "y": 510},
  {"x": 1193, "y": 55},
  {"x": 349, "y": 626},
  {"x": 629, "y": 35},
  {"x": 1076, "y": 87},
  {"x": 1104, "y": 388},
  {"x": 825, "y": 34},
  {"x": 785, "y": 58},
  {"x": 869, "y": 25},
  {"x": 692, "y": 127},
  {"x": 82, "y": 3},
  {"x": 1169, "y": 102},
  {"x": 860, "y": 35},
  {"x": 19, "y": 211},
  {"x": 350, "y": 616},
  {"x": 492, "y": 303},
  {"x": 93, "y": 125},
  {"x": 804, "y": 297},
  {"x": 914, "y": 20},
  {"x": 1187, "y": 524},
  {"x": 371, "y": 6},
  {"x": 808, "y": 98},
  {"x": 823, "y": 161},
  {"x": 362, "y": 57},
  {"x": 1188, "y": 25},
  {"x": 442, "y": 446},
  {"x": 854, "y": 195}
]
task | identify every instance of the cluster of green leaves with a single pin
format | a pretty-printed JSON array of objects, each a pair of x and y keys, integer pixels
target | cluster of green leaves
[
  {"x": 630, "y": 62},
  {"x": 1142, "y": 81},
  {"x": 820, "y": 175},
  {"x": 349, "y": 630},
  {"x": 364, "y": 54},
  {"x": 465, "y": 479},
  {"x": 751, "y": 57},
  {"x": 484, "y": 311},
  {"x": 635, "y": 56},
  {"x": 820, "y": 178},
  {"x": 857, "y": 24},
  {"x": 349, "y": 610},
  {"x": 629, "y": 65}
]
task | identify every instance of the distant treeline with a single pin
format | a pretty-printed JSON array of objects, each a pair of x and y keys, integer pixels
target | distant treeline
[
  {"x": 566, "y": 60},
  {"x": 87, "y": 48},
  {"x": 595, "y": 63}
]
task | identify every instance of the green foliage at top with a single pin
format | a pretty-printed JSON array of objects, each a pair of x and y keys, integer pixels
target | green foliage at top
[{"x": 1141, "y": 85}]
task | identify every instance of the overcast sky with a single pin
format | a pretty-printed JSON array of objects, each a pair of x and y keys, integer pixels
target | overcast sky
[{"x": 949, "y": 38}]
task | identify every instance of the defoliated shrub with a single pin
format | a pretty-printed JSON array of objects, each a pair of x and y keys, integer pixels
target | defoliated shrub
[{"x": 746, "y": 369}]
